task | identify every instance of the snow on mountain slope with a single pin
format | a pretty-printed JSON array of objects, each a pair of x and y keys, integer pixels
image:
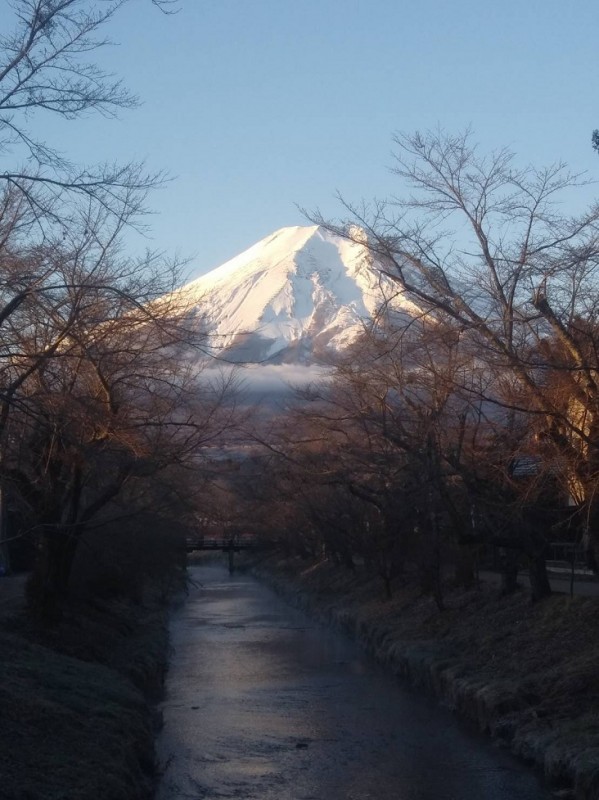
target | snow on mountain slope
[{"x": 298, "y": 296}]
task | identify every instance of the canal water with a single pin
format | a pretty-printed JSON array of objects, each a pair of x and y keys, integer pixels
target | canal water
[{"x": 263, "y": 703}]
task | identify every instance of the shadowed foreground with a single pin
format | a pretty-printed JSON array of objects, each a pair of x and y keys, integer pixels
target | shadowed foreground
[{"x": 76, "y": 721}]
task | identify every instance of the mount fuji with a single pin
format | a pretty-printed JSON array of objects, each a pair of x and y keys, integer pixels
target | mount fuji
[{"x": 299, "y": 296}]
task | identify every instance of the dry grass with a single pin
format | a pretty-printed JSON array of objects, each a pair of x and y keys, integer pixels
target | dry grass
[
  {"x": 75, "y": 720},
  {"x": 529, "y": 674}
]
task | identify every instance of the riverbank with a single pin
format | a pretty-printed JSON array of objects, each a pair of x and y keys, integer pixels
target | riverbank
[
  {"x": 525, "y": 674},
  {"x": 77, "y": 720}
]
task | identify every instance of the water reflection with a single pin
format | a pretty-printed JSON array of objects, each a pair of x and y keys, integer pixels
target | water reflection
[{"x": 264, "y": 703}]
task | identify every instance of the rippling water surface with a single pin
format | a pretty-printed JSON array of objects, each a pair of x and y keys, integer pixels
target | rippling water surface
[{"x": 263, "y": 703}]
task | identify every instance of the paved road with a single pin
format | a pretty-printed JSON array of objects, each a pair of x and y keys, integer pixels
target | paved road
[{"x": 559, "y": 584}]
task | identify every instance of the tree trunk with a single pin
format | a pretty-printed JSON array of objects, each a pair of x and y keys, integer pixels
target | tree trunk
[
  {"x": 49, "y": 585},
  {"x": 387, "y": 584},
  {"x": 509, "y": 572},
  {"x": 464, "y": 573},
  {"x": 536, "y": 524},
  {"x": 590, "y": 536},
  {"x": 539, "y": 580}
]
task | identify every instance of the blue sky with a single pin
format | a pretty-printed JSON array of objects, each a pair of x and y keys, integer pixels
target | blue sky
[{"x": 254, "y": 106}]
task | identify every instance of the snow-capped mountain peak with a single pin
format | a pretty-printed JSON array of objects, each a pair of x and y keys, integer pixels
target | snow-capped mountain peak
[{"x": 299, "y": 295}]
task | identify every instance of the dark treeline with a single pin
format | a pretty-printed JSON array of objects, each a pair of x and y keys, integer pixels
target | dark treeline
[
  {"x": 462, "y": 429},
  {"x": 100, "y": 422}
]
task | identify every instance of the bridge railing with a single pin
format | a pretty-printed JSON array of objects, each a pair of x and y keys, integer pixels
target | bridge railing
[{"x": 219, "y": 543}]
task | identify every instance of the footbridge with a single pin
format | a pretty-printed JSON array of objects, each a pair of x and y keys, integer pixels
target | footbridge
[{"x": 224, "y": 543}]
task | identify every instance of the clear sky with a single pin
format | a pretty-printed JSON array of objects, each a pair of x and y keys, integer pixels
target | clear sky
[{"x": 254, "y": 106}]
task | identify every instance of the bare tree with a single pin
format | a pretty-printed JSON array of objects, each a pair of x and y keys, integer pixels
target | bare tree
[
  {"x": 483, "y": 246},
  {"x": 96, "y": 401},
  {"x": 47, "y": 67},
  {"x": 107, "y": 406}
]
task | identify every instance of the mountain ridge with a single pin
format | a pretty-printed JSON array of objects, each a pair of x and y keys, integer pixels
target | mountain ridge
[{"x": 299, "y": 295}]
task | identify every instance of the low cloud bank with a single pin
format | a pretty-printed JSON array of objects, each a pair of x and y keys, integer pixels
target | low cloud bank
[{"x": 267, "y": 382}]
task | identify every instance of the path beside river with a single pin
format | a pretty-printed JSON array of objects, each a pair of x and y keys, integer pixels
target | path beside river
[{"x": 264, "y": 703}]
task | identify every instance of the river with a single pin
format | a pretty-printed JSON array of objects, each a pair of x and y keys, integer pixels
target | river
[{"x": 263, "y": 703}]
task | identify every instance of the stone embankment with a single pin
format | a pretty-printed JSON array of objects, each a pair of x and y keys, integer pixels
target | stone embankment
[{"x": 525, "y": 674}]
